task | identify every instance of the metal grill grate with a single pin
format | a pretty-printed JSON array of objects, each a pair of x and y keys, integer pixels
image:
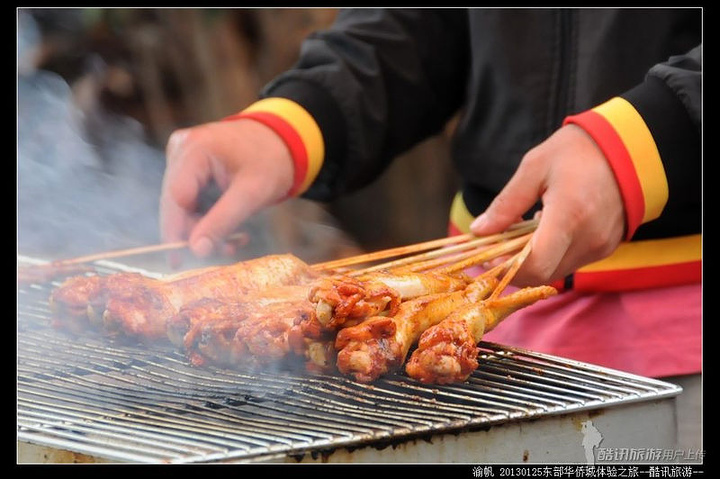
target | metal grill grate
[{"x": 134, "y": 403}]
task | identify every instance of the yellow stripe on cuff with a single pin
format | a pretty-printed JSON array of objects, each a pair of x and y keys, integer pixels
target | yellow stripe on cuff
[
  {"x": 638, "y": 140},
  {"x": 305, "y": 126},
  {"x": 460, "y": 216},
  {"x": 646, "y": 253}
]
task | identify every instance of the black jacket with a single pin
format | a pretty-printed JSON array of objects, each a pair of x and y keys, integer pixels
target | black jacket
[{"x": 380, "y": 81}]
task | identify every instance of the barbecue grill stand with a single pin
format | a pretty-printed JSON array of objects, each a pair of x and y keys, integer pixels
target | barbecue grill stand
[{"x": 92, "y": 399}]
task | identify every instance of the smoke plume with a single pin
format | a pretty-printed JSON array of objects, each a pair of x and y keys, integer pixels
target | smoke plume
[{"x": 78, "y": 192}]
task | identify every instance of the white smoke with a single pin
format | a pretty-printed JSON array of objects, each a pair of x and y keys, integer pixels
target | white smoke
[
  {"x": 88, "y": 181},
  {"x": 78, "y": 194}
]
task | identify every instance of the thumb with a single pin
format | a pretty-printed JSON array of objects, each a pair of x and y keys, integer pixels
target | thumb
[{"x": 523, "y": 190}]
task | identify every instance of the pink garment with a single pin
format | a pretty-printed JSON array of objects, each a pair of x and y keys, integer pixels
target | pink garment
[{"x": 652, "y": 333}]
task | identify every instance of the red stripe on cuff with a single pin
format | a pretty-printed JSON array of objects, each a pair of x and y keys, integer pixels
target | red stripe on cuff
[
  {"x": 559, "y": 285},
  {"x": 291, "y": 138},
  {"x": 619, "y": 159},
  {"x": 639, "y": 278},
  {"x": 454, "y": 230}
]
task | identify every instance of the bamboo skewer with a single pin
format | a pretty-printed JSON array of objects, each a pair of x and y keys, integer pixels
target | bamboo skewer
[
  {"x": 464, "y": 241},
  {"x": 446, "y": 252},
  {"x": 421, "y": 261},
  {"x": 389, "y": 253},
  {"x": 496, "y": 270},
  {"x": 493, "y": 252},
  {"x": 132, "y": 251},
  {"x": 517, "y": 261},
  {"x": 429, "y": 264},
  {"x": 444, "y": 256}
]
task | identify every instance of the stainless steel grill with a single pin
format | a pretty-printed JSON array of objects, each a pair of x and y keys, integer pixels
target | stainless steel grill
[{"x": 146, "y": 404}]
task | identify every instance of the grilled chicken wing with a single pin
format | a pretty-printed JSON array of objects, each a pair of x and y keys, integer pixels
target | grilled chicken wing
[
  {"x": 344, "y": 298},
  {"x": 184, "y": 326},
  {"x": 380, "y": 344},
  {"x": 344, "y": 301},
  {"x": 447, "y": 352},
  {"x": 134, "y": 305},
  {"x": 271, "y": 324},
  {"x": 277, "y": 307},
  {"x": 77, "y": 300},
  {"x": 252, "y": 329},
  {"x": 340, "y": 299},
  {"x": 249, "y": 339}
]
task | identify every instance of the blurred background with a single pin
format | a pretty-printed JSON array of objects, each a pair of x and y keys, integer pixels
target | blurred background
[{"x": 100, "y": 91}]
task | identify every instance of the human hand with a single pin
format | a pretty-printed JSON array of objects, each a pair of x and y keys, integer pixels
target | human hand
[
  {"x": 247, "y": 160},
  {"x": 582, "y": 218}
]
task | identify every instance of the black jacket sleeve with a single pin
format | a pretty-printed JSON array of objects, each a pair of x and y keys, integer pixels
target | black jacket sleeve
[
  {"x": 670, "y": 102},
  {"x": 377, "y": 82}
]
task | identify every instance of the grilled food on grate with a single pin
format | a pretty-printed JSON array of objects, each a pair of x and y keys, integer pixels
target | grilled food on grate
[
  {"x": 447, "y": 352},
  {"x": 133, "y": 305},
  {"x": 364, "y": 321}
]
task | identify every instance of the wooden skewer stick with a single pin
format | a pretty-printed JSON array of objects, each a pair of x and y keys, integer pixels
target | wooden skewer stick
[
  {"x": 518, "y": 260},
  {"x": 463, "y": 242},
  {"x": 445, "y": 259},
  {"x": 443, "y": 255},
  {"x": 495, "y": 271},
  {"x": 422, "y": 261},
  {"x": 392, "y": 252},
  {"x": 495, "y": 251},
  {"x": 240, "y": 237},
  {"x": 447, "y": 252},
  {"x": 422, "y": 266}
]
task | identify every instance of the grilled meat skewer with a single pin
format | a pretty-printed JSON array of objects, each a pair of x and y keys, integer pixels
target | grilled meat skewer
[
  {"x": 229, "y": 331},
  {"x": 342, "y": 298},
  {"x": 447, "y": 352},
  {"x": 380, "y": 344},
  {"x": 133, "y": 305}
]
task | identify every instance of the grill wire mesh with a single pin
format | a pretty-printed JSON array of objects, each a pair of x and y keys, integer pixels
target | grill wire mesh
[{"x": 147, "y": 404}]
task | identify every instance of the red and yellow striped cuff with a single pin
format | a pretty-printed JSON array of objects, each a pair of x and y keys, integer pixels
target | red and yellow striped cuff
[
  {"x": 298, "y": 130},
  {"x": 643, "y": 264},
  {"x": 634, "y": 265},
  {"x": 629, "y": 147}
]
